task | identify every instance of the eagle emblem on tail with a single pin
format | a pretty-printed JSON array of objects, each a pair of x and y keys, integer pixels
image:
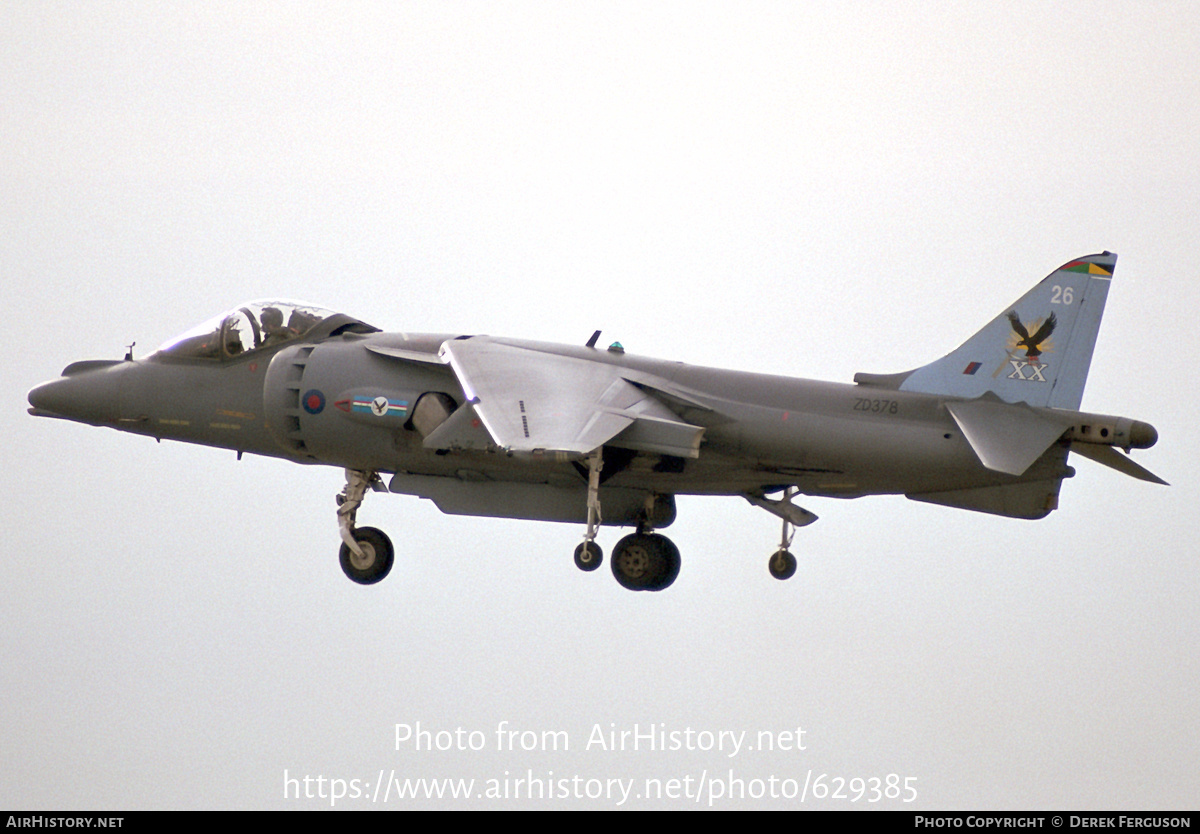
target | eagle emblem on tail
[{"x": 1032, "y": 344}]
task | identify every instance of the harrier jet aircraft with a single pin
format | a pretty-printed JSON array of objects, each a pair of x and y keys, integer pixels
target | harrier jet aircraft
[{"x": 581, "y": 433}]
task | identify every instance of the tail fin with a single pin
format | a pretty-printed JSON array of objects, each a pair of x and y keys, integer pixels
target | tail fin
[{"x": 1037, "y": 351}]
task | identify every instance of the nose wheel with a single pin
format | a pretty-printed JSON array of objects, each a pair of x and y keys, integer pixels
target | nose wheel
[
  {"x": 366, "y": 554},
  {"x": 373, "y": 560}
]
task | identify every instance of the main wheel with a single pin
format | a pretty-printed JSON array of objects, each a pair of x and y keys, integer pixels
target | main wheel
[
  {"x": 375, "y": 561},
  {"x": 588, "y": 556},
  {"x": 645, "y": 562},
  {"x": 782, "y": 564},
  {"x": 670, "y": 566}
]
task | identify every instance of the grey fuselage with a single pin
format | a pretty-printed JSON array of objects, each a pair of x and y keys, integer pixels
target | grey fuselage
[{"x": 307, "y": 402}]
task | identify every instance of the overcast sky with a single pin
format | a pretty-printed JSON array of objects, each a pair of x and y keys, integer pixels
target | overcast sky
[{"x": 806, "y": 189}]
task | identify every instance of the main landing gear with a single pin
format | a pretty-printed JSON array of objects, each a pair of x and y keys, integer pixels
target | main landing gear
[
  {"x": 366, "y": 553},
  {"x": 643, "y": 561}
]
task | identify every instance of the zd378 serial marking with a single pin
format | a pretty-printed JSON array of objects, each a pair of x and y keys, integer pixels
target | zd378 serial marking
[{"x": 876, "y": 406}]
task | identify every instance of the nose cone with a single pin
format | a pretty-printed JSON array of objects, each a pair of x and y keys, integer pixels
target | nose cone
[{"x": 88, "y": 395}]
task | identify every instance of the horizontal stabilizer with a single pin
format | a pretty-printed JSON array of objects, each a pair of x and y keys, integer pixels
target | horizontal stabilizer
[
  {"x": 1007, "y": 438},
  {"x": 1109, "y": 456}
]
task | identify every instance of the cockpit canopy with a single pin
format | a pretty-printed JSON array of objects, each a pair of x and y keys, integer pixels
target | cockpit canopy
[{"x": 252, "y": 326}]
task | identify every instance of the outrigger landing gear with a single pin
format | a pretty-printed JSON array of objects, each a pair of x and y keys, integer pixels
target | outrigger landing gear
[
  {"x": 366, "y": 554},
  {"x": 782, "y": 563},
  {"x": 589, "y": 555}
]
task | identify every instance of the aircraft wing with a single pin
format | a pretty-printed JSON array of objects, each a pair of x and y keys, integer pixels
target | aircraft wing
[{"x": 530, "y": 400}]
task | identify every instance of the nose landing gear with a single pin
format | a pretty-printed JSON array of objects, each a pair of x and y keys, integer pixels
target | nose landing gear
[{"x": 366, "y": 554}]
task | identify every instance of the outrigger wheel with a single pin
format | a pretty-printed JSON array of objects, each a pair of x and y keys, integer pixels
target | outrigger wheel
[
  {"x": 782, "y": 564},
  {"x": 588, "y": 556}
]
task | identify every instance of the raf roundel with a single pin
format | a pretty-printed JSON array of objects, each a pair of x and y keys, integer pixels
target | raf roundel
[{"x": 314, "y": 402}]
